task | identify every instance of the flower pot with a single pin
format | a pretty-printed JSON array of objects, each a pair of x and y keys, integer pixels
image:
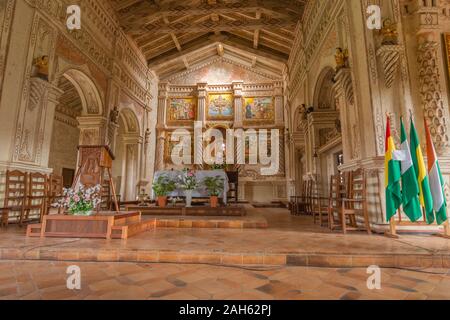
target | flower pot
[
  {"x": 214, "y": 201},
  {"x": 162, "y": 201},
  {"x": 188, "y": 195}
]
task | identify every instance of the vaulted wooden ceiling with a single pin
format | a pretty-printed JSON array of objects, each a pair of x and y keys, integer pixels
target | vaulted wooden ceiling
[
  {"x": 70, "y": 101},
  {"x": 176, "y": 35}
]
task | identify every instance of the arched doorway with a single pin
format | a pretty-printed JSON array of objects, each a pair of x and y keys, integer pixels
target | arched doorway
[
  {"x": 79, "y": 99},
  {"x": 126, "y": 170}
]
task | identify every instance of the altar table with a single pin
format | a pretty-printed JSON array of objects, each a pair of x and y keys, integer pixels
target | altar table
[{"x": 201, "y": 191}]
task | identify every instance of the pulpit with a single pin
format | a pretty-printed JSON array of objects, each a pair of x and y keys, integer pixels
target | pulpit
[{"x": 93, "y": 163}]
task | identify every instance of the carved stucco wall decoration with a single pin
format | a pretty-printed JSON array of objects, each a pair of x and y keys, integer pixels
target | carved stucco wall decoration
[
  {"x": 344, "y": 84},
  {"x": 431, "y": 94},
  {"x": 66, "y": 50},
  {"x": 6, "y": 14},
  {"x": 390, "y": 59}
]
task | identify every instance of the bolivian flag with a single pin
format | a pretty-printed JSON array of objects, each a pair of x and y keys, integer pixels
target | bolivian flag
[
  {"x": 436, "y": 180},
  {"x": 392, "y": 176},
  {"x": 425, "y": 197}
]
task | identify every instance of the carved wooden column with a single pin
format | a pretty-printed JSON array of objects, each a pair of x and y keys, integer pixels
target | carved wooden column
[
  {"x": 161, "y": 125},
  {"x": 237, "y": 91},
  {"x": 201, "y": 108},
  {"x": 160, "y": 144},
  {"x": 390, "y": 56},
  {"x": 279, "y": 105},
  {"x": 239, "y": 152},
  {"x": 431, "y": 93}
]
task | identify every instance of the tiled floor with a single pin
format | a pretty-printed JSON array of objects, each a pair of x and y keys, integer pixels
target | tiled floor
[
  {"x": 288, "y": 240},
  {"x": 47, "y": 280}
]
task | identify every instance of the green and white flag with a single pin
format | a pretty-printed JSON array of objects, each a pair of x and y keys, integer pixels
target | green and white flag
[
  {"x": 425, "y": 197},
  {"x": 410, "y": 194},
  {"x": 436, "y": 181}
]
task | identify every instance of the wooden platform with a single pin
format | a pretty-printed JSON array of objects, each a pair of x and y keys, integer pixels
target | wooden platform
[
  {"x": 107, "y": 225},
  {"x": 195, "y": 211},
  {"x": 186, "y": 222}
]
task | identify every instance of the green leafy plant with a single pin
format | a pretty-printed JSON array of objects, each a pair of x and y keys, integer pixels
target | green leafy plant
[
  {"x": 214, "y": 185},
  {"x": 163, "y": 186}
]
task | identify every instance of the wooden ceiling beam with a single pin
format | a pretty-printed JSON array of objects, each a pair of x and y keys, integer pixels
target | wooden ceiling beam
[
  {"x": 189, "y": 48},
  {"x": 147, "y": 12},
  {"x": 211, "y": 26},
  {"x": 236, "y": 43},
  {"x": 257, "y": 31}
]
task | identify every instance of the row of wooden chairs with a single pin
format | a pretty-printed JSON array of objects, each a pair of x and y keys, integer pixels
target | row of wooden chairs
[
  {"x": 346, "y": 202},
  {"x": 29, "y": 196}
]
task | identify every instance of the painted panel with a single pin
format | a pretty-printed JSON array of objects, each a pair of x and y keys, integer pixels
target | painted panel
[
  {"x": 181, "y": 111},
  {"x": 220, "y": 106},
  {"x": 259, "y": 110}
]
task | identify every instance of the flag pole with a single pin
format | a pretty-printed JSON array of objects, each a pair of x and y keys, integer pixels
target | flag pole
[{"x": 393, "y": 228}]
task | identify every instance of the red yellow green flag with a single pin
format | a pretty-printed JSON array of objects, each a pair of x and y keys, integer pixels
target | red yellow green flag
[{"x": 392, "y": 174}]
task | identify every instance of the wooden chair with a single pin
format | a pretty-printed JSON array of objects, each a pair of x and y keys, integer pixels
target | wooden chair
[
  {"x": 335, "y": 201},
  {"x": 320, "y": 210},
  {"x": 291, "y": 204},
  {"x": 304, "y": 204},
  {"x": 296, "y": 200},
  {"x": 15, "y": 196},
  {"x": 54, "y": 191},
  {"x": 355, "y": 204},
  {"x": 4, "y": 218},
  {"x": 309, "y": 198},
  {"x": 36, "y": 197}
]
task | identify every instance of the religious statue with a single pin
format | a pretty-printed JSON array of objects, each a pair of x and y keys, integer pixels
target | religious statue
[
  {"x": 114, "y": 115},
  {"x": 41, "y": 65},
  {"x": 389, "y": 33},
  {"x": 341, "y": 58}
]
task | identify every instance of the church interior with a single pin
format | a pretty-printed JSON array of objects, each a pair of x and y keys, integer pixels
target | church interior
[{"x": 104, "y": 93}]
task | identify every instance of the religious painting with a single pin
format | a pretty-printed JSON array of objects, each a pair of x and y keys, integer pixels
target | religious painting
[
  {"x": 447, "y": 50},
  {"x": 259, "y": 110},
  {"x": 181, "y": 110},
  {"x": 220, "y": 106}
]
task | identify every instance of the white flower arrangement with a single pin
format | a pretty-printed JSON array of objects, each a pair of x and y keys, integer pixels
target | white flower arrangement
[{"x": 82, "y": 201}]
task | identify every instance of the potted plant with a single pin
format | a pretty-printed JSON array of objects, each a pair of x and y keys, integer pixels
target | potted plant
[
  {"x": 214, "y": 186},
  {"x": 81, "y": 202},
  {"x": 162, "y": 187},
  {"x": 188, "y": 182}
]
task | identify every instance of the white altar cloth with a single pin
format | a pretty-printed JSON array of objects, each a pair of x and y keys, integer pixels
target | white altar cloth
[{"x": 201, "y": 191}]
